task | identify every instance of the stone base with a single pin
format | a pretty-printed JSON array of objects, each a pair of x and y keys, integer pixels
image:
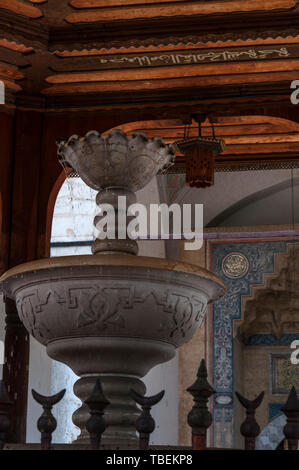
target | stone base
[{"x": 120, "y": 415}]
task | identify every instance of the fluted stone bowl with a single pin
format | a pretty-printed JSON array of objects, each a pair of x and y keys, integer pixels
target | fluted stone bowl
[{"x": 115, "y": 159}]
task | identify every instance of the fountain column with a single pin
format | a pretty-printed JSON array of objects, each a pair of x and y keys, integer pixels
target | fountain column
[
  {"x": 120, "y": 363},
  {"x": 116, "y": 241},
  {"x": 111, "y": 314},
  {"x": 114, "y": 202}
]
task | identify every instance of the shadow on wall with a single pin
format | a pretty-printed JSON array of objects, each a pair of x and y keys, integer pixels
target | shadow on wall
[{"x": 271, "y": 206}]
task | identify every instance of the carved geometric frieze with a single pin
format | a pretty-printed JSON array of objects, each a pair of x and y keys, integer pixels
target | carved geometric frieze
[{"x": 116, "y": 308}]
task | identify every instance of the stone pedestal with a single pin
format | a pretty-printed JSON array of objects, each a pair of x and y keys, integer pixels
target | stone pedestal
[
  {"x": 120, "y": 363},
  {"x": 121, "y": 414}
]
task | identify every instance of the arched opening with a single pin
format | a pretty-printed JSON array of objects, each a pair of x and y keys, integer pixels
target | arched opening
[{"x": 50, "y": 208}]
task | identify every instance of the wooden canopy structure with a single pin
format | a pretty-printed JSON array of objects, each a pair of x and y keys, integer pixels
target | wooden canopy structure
[{"x": 72, "y": 66}]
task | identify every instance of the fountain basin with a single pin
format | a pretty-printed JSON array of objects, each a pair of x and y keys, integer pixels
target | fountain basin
[
  {"x": 114, "y": 316},
  {"x": 118, "y": 295}
]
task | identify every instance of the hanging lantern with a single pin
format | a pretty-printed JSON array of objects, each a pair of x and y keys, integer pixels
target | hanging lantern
[{"x": 200, "y": 155}]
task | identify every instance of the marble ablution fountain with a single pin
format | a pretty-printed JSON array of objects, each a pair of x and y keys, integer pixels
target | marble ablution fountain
[{"x": 112, "y": 314}]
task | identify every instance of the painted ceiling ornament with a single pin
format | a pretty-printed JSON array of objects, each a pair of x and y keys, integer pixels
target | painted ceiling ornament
[
  {"x": 235, "y": 265},
  {"x": 200, "y": 155}
]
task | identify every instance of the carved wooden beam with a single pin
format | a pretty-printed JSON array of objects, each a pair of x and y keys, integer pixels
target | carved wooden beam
[{"x": 96, "y": 424}]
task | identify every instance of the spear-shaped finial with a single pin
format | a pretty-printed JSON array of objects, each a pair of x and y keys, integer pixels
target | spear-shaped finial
[
  {"x": 199, "y": 418},
  {"x": 96, "y": 424},
  {"x": 291, "y": 410}
]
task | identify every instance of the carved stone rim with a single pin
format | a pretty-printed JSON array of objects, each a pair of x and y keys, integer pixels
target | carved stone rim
[
  {"x": 110, "y": 260},
  {"x": 157, "y": 142}
]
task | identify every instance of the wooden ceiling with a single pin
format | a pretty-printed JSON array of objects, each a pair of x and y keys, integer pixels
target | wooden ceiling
[
  {"x": 174, "y": 57},
  {"x": 60, "y": 54}
]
